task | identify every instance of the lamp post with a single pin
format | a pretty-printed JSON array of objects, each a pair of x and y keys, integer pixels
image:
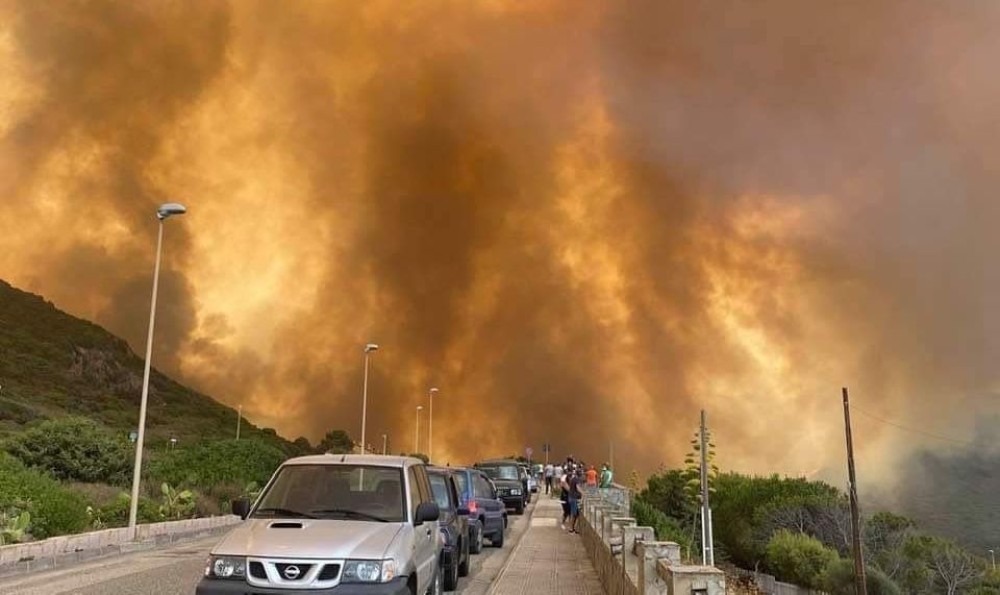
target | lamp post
[
  {"x": 166, "y": 210},
  {"x": 385, "y": 443},
  {"x": 239, "y": 420},
  {"x": 416, "y": 435},
  {"x": 430, "y": 428},
  {"x": 993, "y": 559},
  {"x": 369, "y": 349}
]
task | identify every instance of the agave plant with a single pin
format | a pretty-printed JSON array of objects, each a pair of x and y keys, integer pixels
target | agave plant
[{"x": 13, "y": 526}]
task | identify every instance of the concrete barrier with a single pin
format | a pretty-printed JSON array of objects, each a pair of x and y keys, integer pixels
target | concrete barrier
[
  {"x": 66, "y": 549},
  {"x": 627, "y": 558}
]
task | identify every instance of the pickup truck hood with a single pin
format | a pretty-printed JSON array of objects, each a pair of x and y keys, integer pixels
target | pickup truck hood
[{"x": 309, "y": 538}]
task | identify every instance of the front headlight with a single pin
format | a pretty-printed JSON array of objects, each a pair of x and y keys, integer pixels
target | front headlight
[
  {"x": 515, "y": 492},
  {"x": 368, "y": 571},
  {"x": 229, "y": 567}
]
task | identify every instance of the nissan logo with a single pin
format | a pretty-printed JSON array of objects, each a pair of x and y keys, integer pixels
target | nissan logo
[{"x": 292, "y": 572}]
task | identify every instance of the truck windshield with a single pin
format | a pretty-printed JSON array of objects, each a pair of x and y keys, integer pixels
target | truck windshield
[
  {"x": 502, "y": 472},
  {"x": 350, "y": 492}
]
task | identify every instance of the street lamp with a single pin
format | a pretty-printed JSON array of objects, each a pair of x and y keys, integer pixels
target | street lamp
[
  {"x": 430, "y": 429},
  {"x": 993, "y": 559},
  {"x": 166, "y": 210},
  {"x": 239, "y": 420},
  {"x": 385, "y": 442},
  {"x": 369, "y": 349},
  {"x": 416, "y": 435}
]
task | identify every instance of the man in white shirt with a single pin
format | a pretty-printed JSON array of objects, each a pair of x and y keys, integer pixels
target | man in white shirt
[{"x": 547, "y": 473}]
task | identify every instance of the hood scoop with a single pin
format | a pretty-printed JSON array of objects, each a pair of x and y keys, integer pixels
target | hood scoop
[{"x": 285, "y": 525}]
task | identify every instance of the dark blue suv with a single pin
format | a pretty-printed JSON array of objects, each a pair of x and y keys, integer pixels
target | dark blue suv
[{"x": 487, "y": 514}]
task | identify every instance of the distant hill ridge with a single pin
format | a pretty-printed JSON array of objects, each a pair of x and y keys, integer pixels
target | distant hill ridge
[{"x": 54, "y": 364}]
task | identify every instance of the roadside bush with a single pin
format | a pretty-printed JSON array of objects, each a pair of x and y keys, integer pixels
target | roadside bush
[
  {"x": 838, "y": 579},
  {"x": 115, "y": 513},
  {"x": 54, "y": 509},
  {"x": 665, "y": 527},
  {"x": 74, "y": 449},
  {"x": 213, "y": 466},
  {"x": 798, "y": 558}
]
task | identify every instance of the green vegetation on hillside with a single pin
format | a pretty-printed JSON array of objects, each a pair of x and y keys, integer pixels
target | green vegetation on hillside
[
  {"x": 53, "y": 364},
  {"x": 799, "y": 531}
]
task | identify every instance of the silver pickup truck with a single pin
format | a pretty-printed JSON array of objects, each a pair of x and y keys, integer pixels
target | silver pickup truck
[{"x": 333, "y": 524}]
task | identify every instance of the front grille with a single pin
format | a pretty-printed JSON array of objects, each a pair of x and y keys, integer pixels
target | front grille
[
  {"x": 329, "y": 572},
  {"x": 303, "y": 569},
  {"x": 257, "y": 570}
]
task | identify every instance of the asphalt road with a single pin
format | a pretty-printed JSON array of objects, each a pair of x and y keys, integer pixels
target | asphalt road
[{"x": 177, "y": 569}]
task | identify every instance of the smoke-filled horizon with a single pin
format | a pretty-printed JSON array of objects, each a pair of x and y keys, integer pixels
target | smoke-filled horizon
[{"x": 582, "y": 222}]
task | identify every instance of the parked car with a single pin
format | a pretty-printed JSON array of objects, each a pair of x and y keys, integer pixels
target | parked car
[
  {"x": 366, "y": 522},
  {"x": 454, "y": 523},
  {"x": 487, "y": 513},
  {"x": 510, "y": 481}
]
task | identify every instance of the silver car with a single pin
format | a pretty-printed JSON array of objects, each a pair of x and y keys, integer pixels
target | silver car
[{"x": 333, "y": 524}]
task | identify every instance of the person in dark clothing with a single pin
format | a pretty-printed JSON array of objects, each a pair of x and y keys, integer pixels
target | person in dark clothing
[
  {"x": 564, "y": 494},
  {"x": 573, "y": 498}
]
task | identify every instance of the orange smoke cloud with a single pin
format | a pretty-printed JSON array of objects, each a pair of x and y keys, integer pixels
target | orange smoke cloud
[{"x": 582, "y": 222}]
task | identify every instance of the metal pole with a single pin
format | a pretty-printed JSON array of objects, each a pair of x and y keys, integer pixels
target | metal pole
[
  {"x": 416, "y": 435},
  {"x": 859, "y": 562},
  {"x": 137, "y": 470},
  {"x": 239, "y": 418},
  {"x": 385, "y": 442},
  {"x": 430, "y": 428},
  {"x": 993, "y": 558},
  {"x": 364, "y": 404}
]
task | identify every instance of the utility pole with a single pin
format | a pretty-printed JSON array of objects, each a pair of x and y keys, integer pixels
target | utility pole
[
  {"x": 611, "y": 454},
  {"x": 859, "y": 563},
  {"x": 239, "y": 419},
  {"x": 385, "y": 443},
  {"x": 707, "y": 546}
]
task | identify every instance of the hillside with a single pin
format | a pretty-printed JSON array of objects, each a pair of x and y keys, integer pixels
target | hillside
[{"x": 53, "y": 364}]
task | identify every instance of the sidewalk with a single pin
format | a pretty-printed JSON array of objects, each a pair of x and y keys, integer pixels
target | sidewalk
[{"x": 548, "y": 559}]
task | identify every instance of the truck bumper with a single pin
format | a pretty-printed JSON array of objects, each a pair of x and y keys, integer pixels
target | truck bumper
[{"x": 209, "y": 586}]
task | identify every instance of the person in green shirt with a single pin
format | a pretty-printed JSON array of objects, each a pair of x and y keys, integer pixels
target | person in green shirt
[{"x": 606, "y": 476}]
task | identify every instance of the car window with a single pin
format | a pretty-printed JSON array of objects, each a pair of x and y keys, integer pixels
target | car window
[
  {"x": 483, "y": 488},
  {"x": 441, "y": 489},
  {"x": 501, "y": 471},
  {"x": 425, "y": 487},
  {"x": 352, "y": 492},
  {"x": 416, "y": 497},
  {"x": 462, "y": 482}
]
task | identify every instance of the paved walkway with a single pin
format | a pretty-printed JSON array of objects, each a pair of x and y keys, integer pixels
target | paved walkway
[{"x": 548, "y": 559}]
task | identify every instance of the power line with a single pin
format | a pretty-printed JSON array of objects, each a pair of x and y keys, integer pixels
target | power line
[{"x": 911, "y": 429}]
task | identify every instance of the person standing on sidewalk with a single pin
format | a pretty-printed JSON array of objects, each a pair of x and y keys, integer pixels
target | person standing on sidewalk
[
  {"x": 606, "y": 476},
  {"x": 573, "y": 497},
  {"x": 547, "y": 473},
  {"x": 591, "y": 477}
]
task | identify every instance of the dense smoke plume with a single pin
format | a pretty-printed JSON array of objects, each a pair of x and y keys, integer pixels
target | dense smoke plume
[{"x": 582, "y": 221}]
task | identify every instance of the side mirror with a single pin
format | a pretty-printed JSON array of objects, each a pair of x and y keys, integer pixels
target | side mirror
[
  {"x": 427, "y": 511},
  {"x": 241, "y": 507},
  {"x": 463, "y": 511}
]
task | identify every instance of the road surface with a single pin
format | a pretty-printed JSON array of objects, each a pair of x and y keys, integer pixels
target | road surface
[{"x": 177, "y": 569}]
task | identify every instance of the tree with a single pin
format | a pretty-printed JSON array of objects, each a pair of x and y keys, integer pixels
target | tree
[
  {"x": 954, "y": 567},
  {"x": 885, "y": 534},
  {"x": 74, "y": 449},
  {"x": 302, "y": 446},
  {"x": 336, "y": 442},
  {"x": 798, "y": 558}
]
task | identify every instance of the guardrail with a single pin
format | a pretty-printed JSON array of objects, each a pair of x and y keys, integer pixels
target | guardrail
[{"x": 628, "y": 559}]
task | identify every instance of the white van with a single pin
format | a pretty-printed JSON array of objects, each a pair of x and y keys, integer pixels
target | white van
[{"x": 333, "y": 524}]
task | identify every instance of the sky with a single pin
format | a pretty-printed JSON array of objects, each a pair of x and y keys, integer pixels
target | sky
[{"x": 583, "y": 222}]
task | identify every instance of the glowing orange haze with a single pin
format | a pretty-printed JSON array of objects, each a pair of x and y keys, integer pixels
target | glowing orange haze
[{"x": 582, "y": 221}]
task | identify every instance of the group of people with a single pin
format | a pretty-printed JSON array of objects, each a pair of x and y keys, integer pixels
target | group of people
[{"x": 569, "y": 478}]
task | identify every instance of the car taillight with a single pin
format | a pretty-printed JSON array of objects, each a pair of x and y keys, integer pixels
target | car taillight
[{"x": 473, "y": 507}]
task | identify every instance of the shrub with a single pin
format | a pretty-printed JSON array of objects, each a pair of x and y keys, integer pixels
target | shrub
[
  {"x": 215, "y": 465},
  {"x": 798, "y": 558},
  {"x": 115, "y": 513},
  {"x": 666, "y": 528},
  {"x": 176, "y": 504},
  {"x": 838, "y": 579},
  {"x": 74, "y": 448},
  {"x": 54, "y": 509}
]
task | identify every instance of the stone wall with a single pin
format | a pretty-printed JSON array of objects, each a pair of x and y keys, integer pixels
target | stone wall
[{"x": 629, "y": 560}]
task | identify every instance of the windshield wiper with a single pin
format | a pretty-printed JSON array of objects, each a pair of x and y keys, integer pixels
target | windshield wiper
[
  {"x": 285, "y": 512},
  {"x": 353, "y": 513}
]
